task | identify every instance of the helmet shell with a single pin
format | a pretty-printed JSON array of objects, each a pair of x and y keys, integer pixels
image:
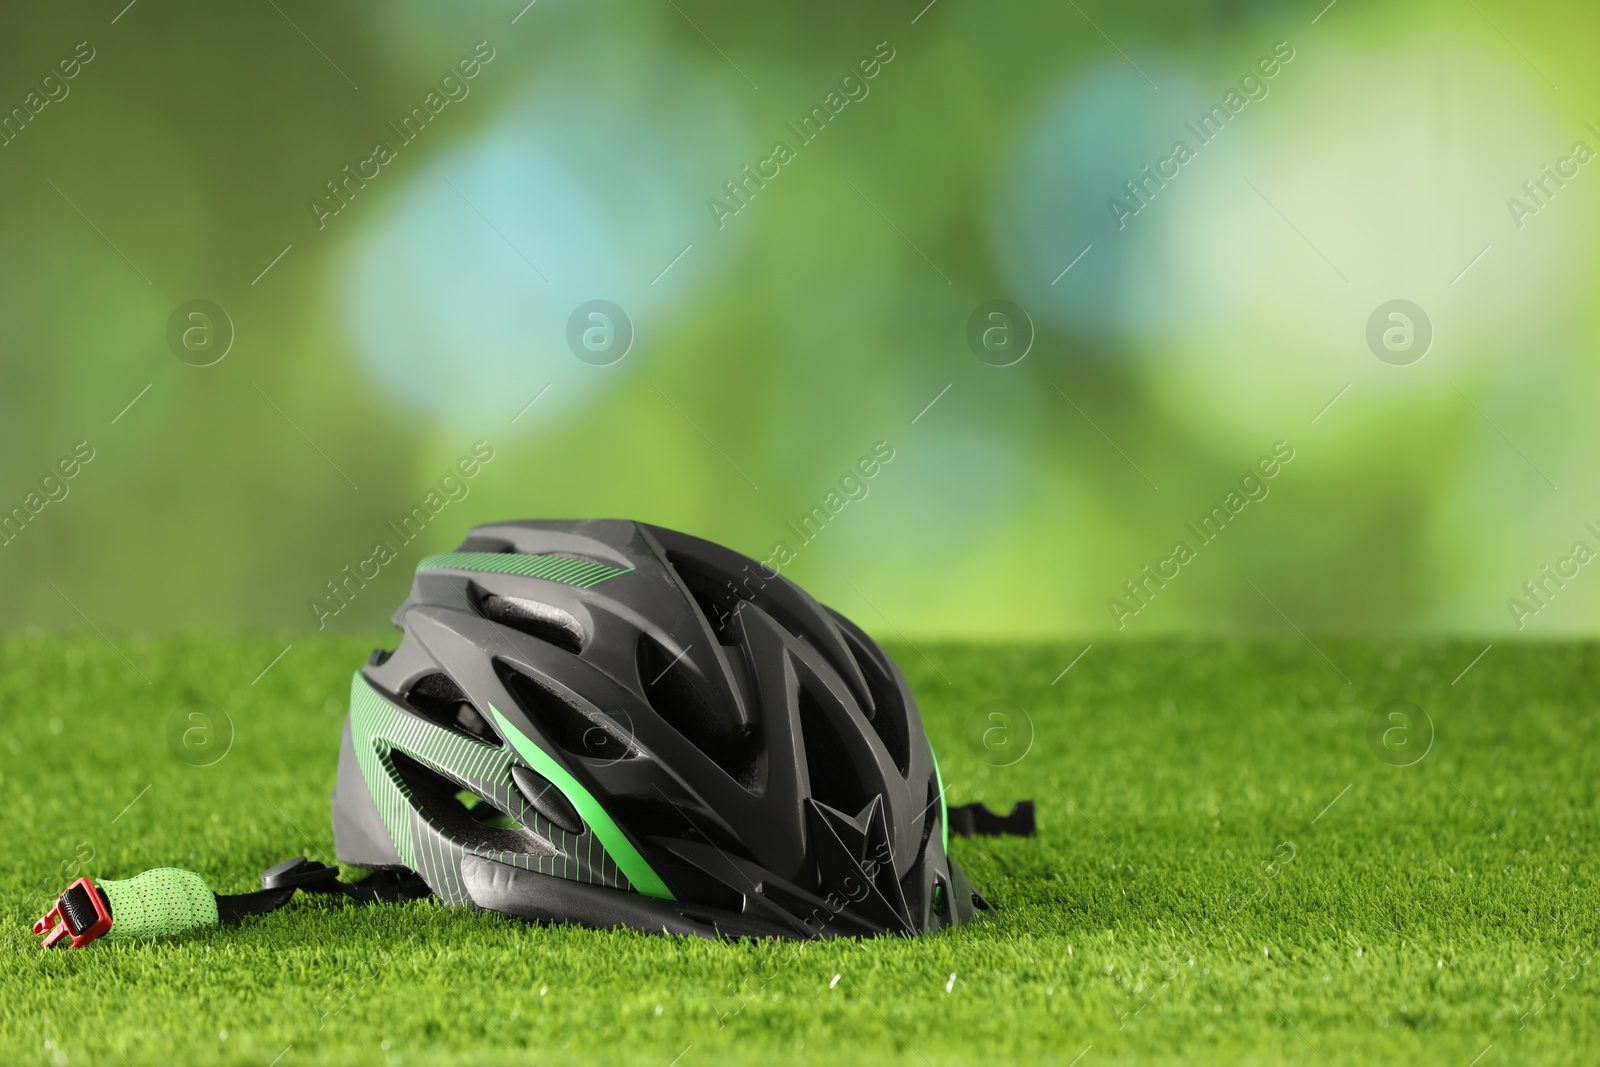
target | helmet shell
[{"x": 611, "y": 723}]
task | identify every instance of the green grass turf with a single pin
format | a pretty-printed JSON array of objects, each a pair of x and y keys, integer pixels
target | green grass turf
[{"x": 1225, "y": 872}]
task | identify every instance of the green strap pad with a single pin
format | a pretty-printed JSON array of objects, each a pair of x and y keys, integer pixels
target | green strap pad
[{"x": 158, "y": 903}]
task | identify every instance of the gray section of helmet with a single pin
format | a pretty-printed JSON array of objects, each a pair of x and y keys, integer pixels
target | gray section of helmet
[
  {"x": 360, "y": 837},
  {"x": 762, "y": 754}
]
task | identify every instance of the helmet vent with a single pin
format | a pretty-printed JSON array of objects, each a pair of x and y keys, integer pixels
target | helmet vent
[
  {"x": 565, "y": 724},
  {"x": 716, "y": 595},
  {"x": 544, "y": 621},
  {"x": 888, "y": 714},
  {"x": 674, "y": 695},
  {"x": 486, "y": 544},
  {"x": 437, "y": 698},
  {"x": 438, "y": 799},
  {"x": 834, "y": 778}
]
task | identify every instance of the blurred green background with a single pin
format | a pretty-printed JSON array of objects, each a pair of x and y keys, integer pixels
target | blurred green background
[{"x": 188, "y": 159}]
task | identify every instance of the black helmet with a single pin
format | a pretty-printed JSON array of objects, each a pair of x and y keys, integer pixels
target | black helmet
[{"x": 609, "y": 723}]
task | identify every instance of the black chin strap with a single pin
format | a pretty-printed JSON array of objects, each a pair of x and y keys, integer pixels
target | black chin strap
[
  {"x": 279, "y": 883},
  {"x": 969, "y": 820}
]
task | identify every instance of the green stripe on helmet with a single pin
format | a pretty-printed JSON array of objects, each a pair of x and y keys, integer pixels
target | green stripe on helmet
[
  {"x": 944, "y": 809},
  {"x": 615, "y": 842},
  {"x": 579, "y": 572}
]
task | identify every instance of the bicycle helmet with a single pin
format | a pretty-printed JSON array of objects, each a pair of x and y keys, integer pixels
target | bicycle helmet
[{"x": 609, "y": 723}]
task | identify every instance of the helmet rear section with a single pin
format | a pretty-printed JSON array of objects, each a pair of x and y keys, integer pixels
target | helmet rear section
[{"x": 614, "y": 724}]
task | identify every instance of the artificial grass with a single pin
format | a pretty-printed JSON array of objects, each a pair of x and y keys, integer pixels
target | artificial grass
[{"x": 1192, "y": 897}]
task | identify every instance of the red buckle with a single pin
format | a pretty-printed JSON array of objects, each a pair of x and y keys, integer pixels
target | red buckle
[{"x": 80, "y": 912}]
